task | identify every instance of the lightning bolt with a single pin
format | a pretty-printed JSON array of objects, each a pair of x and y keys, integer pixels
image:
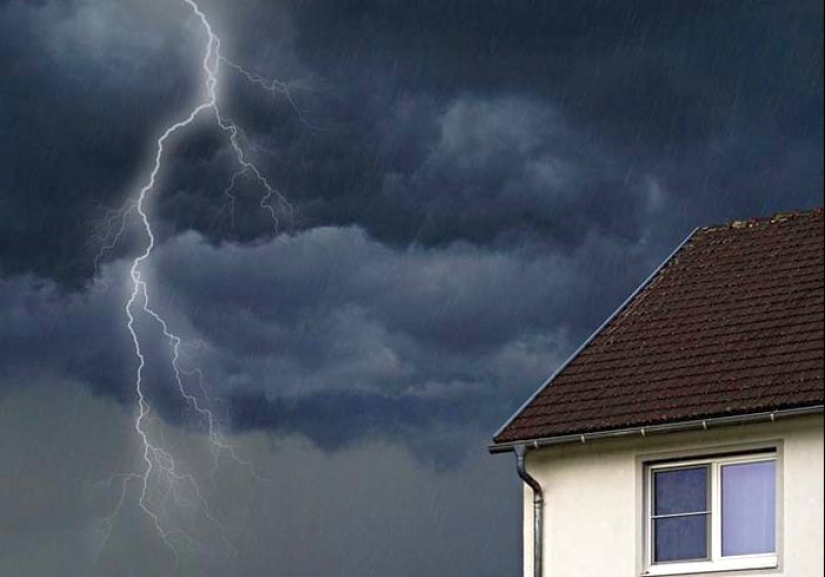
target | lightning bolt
[{"x": 160, "y": 462}]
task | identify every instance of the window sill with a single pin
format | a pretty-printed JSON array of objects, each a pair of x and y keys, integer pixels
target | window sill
[{"x": 737, "y": 564}]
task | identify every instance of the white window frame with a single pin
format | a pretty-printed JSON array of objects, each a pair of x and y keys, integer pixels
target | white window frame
[{"x": 716, "y": 562}]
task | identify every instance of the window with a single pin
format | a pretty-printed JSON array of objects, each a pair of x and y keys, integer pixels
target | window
[{"x": 711, "y": 514}]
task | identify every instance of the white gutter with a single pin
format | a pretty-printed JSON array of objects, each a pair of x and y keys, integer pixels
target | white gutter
[{"x": 698, "y": 424}]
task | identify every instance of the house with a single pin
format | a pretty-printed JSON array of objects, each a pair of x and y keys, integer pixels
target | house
[{"x": 685, "y": 437}]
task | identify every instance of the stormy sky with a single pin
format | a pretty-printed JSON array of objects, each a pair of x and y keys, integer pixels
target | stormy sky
[{"x": 470, "y": 188}]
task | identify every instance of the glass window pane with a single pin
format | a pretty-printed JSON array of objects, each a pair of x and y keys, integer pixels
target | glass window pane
[
  {"x": 681, "y": 491},
  {"x": 681, "y": 538},
  {"x": 749, "y": 509}
]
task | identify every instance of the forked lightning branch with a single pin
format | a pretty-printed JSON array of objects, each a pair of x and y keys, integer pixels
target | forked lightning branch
[{"x": 160, "y": 465}]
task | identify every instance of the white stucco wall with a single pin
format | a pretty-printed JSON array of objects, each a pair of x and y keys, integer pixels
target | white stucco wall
[{"x": 594, "y": 498}]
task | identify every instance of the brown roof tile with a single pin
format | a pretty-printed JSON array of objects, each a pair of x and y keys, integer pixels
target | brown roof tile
[{"x": 732, "y": 324}]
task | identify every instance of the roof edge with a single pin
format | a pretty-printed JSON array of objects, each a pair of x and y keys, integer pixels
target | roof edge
[
  {"x": 775, "y": 218},
  {"x": 595, "y": 333},
  {"x": 671, "y": 427}
]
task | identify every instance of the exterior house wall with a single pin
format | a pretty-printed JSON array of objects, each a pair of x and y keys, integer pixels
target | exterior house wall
[{"x": 595, "y": 493}]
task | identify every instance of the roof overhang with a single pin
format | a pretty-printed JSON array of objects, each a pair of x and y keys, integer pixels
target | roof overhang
[{"x": 663, "y": 428}]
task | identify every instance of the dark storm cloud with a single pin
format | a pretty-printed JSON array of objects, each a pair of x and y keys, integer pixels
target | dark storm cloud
[
  {"x": 335, "y": 420},
  {"x": 420, "y": 121},
  {"x": 718, "y": 103},
  {"x": 337, "y": 337},
  {"x": 667, "y": 71},
  {"x": 328, "y": 334},
  {"x": 80, "y": 100},
  {"x": 490, "y": 166},
  {"x": 330, "y": 317},
  {"x": 448, "y": 299},
  {"x": 48, "y": 333},
  {"x": 450, "y": 122}
]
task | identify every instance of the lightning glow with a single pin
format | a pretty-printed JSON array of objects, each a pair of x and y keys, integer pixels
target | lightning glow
[{"x": 160, "y": 462}]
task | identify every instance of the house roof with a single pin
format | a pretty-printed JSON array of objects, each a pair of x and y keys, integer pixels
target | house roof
[{"x": 732, "y": 324}]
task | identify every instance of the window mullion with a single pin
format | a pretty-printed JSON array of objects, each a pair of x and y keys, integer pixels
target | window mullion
[{"x": 716, "y": 511}]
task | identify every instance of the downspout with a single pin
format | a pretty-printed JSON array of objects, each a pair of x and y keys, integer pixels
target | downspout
[{"x": 538, "y": 509}]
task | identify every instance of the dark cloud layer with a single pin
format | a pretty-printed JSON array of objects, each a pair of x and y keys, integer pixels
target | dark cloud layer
[
  {"x": 492, "y": 166},
  {"x": 343, "y": 340},
  {"x": 716, "y": 103},
  {"x": 424, "y": 122}
]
